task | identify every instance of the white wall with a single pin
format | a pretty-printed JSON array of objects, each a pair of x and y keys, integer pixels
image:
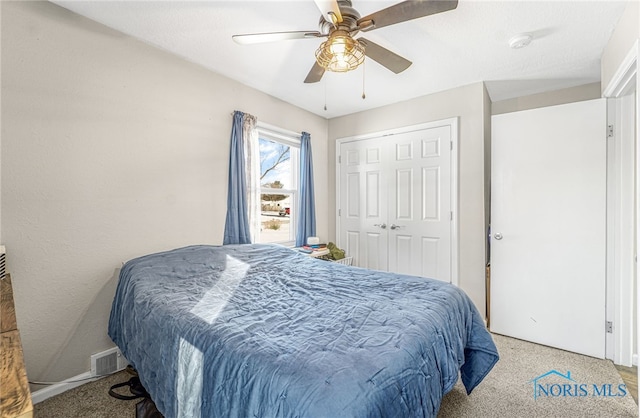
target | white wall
[
  {"x": 111, "y": 149},
  {"x": 470, "y": 104},
  {"x": 550, "y": 98}
]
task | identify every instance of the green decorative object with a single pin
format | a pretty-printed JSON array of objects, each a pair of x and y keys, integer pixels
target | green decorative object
[{"x": 335, "y": 253}]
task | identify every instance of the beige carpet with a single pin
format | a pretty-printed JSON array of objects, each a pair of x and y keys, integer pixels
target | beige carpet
[
  {"x": 506, "y": 392},
  {"x": 91, "y": 400}
]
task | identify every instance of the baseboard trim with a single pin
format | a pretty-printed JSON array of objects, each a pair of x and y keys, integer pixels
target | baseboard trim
[
  {"x": 634, "y": 359},
  {"x": 68, "y": 384}
]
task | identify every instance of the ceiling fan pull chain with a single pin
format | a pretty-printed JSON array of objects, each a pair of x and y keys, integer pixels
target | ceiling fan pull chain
[
  {"x": 363, "y": 95},
  {"x": 325, "y": 94}
]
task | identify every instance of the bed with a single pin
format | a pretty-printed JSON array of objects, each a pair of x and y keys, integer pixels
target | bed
[{"x": 265, "y": 331}]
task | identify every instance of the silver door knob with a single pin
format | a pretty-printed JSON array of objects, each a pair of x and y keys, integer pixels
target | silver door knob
[
  {"x": 497, "y": 236},
  {"x": 383, "y": 226},
  {"x": 394, "y": 226}
]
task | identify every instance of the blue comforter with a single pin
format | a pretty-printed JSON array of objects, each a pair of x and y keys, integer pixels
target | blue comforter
[{"x": 264, "y": 331}]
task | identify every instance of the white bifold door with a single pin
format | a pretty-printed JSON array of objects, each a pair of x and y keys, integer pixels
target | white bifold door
[
  {"x": 395, "y": 201},
  {"x": 548, "y": 219}
]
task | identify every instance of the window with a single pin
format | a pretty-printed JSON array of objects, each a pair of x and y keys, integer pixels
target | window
[{"x": 279, "y": 162}]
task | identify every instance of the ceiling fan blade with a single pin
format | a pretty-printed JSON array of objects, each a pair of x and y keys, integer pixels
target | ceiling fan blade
[
  {"x": 315, "y": 74},
  {"x": 406, "y": 10},
  {"x": 258, "y": 38},
  {"x": 384, "y": 57},
  {"x": 328, "y": 7}
]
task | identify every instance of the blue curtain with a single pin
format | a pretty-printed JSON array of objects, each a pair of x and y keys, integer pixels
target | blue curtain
[
  {"x": 236, "y": 228},
  {"x": 307, "y": 206}
]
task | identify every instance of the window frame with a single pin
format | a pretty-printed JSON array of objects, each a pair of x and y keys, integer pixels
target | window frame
[{"x": 292, "y": 140}]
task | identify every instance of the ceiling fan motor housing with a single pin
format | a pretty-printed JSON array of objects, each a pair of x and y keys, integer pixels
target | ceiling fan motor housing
[{"x": 350, "y": 18}]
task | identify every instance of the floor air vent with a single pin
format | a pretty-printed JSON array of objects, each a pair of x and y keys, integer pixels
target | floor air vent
[{"x": 107, "y": 362}]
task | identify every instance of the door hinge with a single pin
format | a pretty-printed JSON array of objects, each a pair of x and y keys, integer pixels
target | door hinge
[
  {"x": 609, "y": 327},
  {"x": 339, "y": 212},
  {"x": 610, "y": 131},
  {"x": 451, "y": 216},
  {"x": 339, "y": 159}
]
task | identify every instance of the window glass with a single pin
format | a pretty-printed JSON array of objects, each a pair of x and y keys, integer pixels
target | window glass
[
  {"x": 275, "y": 165},
  {"x": 278, "y": 180}
]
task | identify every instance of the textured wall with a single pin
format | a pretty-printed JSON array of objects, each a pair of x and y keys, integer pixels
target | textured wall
[
  {"x": 549, "y": 98},
  {"x": 111, "y": 149}
]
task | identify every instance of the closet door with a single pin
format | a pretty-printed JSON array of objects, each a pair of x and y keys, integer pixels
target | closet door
[
  {"x": 419, "y": 203},
  {"x": 395, "y": 201},
  {"x": 363, "y": 197}
]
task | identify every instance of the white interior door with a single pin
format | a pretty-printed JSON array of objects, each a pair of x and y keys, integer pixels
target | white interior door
[
  {"x": 548, "y": 210},
  {"x": 363, "y": 197},
  {"x": 420, "y": 203},
  {"x": 395, "y": 201}
]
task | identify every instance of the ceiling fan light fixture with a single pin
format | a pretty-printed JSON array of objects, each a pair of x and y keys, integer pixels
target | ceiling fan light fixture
[{"x": 340, "y": 53}]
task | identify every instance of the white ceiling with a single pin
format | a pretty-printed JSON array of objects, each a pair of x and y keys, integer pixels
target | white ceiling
[{"x": 450, "y": 49}]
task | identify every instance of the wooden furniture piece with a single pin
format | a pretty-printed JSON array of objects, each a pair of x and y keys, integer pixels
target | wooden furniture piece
[{"x": 15, "y": 397}]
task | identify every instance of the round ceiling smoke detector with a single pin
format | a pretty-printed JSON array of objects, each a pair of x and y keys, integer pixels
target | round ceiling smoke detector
[{"x": 520, "y": 41}]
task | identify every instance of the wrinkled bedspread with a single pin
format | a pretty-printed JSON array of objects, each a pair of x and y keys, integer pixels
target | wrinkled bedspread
[{"x": 264, "y": 331}]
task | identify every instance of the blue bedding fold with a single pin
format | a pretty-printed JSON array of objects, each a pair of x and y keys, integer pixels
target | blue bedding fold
[{"x": 264, "y": 331}]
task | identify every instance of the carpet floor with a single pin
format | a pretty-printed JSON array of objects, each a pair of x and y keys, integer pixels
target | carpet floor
[{"x": 508, "y": 391}]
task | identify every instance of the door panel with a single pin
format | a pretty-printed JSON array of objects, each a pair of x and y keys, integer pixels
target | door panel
[
  {"x": 404, "y": 194},
  {"x": 402, "y": 256},
  {"x": 373, "y": 194},
  {"x": 548, "y": 205},
  {"x": 353, "y": 195},
  {"x": 376, "y": 250},
  {"x": 430, "y": 253},
  {"x": 353, "y": 241},
  {"x": 431, "y": 194}
]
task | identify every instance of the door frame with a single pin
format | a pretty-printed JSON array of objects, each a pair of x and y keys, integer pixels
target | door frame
[
  {"x": 453, "y": 123},
  {"x": 619, "y": 344}
]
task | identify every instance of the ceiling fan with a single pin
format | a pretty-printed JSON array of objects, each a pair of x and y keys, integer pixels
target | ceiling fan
[{"x": 340, "y": 22}]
